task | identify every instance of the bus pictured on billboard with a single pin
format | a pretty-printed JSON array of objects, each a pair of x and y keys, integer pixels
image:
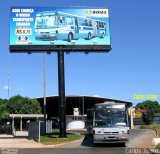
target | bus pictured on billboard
[{"x": 63, "y": 26}]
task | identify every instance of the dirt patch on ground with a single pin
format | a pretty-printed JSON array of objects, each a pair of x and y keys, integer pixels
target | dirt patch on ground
[{"x": 141, "y": 138}]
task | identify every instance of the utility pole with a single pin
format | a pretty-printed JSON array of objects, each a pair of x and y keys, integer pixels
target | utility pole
[
  {"x": 8, "y": 88},
  {"x": 44, "y": 87}
]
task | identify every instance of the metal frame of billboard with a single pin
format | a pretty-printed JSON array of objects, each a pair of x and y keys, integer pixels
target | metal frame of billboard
[
  {"x": 80, "y": 48},
  {"x": 98, "y": 36}
]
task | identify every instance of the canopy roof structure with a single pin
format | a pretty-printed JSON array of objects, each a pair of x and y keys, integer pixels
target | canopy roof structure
[{"x": 75, "y": 101}]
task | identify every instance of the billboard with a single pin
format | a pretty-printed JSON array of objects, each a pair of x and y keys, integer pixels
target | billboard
[{"x": 53, "y": 29}]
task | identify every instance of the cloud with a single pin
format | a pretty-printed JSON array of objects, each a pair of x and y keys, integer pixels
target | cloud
[
  {"x": 96, "y": 96},
  {"x": 20, "y": 89},
  {"x": 6, "y": 87}
]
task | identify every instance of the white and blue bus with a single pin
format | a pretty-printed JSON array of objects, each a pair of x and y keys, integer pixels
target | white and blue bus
[
  {"x": 55, "y": 25},
  {"x": 109, "y": 122}
]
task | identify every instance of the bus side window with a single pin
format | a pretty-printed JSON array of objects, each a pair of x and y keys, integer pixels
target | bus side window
[
  {"x": 85, "y": 23},
  {"x": 90, "y": 23},
  {"x": 61, "y": 20},
  {"x": 69, "y": 21}
]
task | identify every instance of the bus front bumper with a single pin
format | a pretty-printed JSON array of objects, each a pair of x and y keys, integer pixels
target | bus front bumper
[
  {"x": 46, "y": 37},
  {"x": 103, "y": 138}
]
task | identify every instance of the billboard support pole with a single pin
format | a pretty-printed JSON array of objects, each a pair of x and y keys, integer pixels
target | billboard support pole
[{"x": 62, "y": 102}]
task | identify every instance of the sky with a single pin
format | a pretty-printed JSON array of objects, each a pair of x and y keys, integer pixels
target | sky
[{"x": 130, "y": 71}]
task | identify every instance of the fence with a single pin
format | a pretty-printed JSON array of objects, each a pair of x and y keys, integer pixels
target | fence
[
  {"x": 156, "y": 120},
  {"x": 5, "y": 129},
  {"x": 139, "y": 121},
  {"x": 36, "y": 129}
]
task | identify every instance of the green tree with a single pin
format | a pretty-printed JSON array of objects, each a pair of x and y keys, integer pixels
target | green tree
[
  {"x": 18, "y": 105},
  {"x": 23, "y": 105},
  {"x": 150, "y": 107},
  {"x": 4, "y": 114},
  {"x": 154, "y": 105}
]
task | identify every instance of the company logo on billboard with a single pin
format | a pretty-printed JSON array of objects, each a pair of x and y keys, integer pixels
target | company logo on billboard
[
  {"x": 97, "y": 12},
  {"x": 23, "y": 39}
]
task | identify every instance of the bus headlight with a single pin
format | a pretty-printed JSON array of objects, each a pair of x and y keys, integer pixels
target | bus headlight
[
  {"x": 52, "y": 32},
  {"x": 124, "y": 132}
]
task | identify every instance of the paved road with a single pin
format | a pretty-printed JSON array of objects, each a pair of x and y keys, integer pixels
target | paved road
[
  {"x": 73, "y": 151},
  {"x": 138, "y": 139},
  {"x": 85, "y": 146}
]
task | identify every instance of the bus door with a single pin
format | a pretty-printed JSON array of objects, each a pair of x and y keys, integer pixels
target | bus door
[
  {"x": 95, "y": 30},
  {"x": 76, "y": 25},
  {"x": 98, "y": 30}
]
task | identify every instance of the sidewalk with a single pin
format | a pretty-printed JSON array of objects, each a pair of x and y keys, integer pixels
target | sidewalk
[{"x": 20, "y": 141}]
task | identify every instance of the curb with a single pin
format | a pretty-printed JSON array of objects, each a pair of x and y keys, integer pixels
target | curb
[
  {"x": 49, "y": 146},
  {"x": 41, "y": 145}
]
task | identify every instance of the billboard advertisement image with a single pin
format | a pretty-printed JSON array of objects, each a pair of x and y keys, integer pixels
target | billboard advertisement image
[{"x": 44, "y": 28}]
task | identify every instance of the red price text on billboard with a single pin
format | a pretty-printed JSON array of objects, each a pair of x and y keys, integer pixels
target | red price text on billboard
[{"x": 23, "y": 31}]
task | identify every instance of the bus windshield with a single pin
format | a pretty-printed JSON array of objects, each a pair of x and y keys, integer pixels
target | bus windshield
[
  {"x": 45, "y": 21},
  {"x": 109, "y": 118}
]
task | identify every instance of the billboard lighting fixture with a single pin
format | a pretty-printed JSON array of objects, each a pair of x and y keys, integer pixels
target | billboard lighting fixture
[
  {"x": 94, "y": 42},
  {"x": 51, "y": 42},
  {"x": 86, "y": 52},
  {"x": 67, "y": 52},
  {"x": 29, "y": 42},
  {"x": 73, "y": 42},
  {"x": 29, "y": 52}
]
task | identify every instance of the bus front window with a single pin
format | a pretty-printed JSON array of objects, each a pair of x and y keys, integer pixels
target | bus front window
[
  {"x": 109, "y": 118},
  {"x": 102, "y": 118},
  {"x": 119, "y": 118},
  {"x": 45, "y": 22},
  {"x": 38, "y": 22}
]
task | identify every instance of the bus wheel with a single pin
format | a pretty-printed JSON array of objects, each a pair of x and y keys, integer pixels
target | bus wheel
[
  {"x": 70, "y": 37},
  {"x": 89, "y": 36}
]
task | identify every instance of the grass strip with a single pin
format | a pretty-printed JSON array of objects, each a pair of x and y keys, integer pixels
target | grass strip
[{"x": 53, "y": 138}]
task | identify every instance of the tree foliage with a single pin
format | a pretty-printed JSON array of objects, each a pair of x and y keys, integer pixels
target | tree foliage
[
  {"x": 4, "y": 114},
  {"x": 23, "y": 105},
  {"x": 150, "y": 107},
  {"x": 154, "y": 105},
  {"x": 18, "y": 105}
]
